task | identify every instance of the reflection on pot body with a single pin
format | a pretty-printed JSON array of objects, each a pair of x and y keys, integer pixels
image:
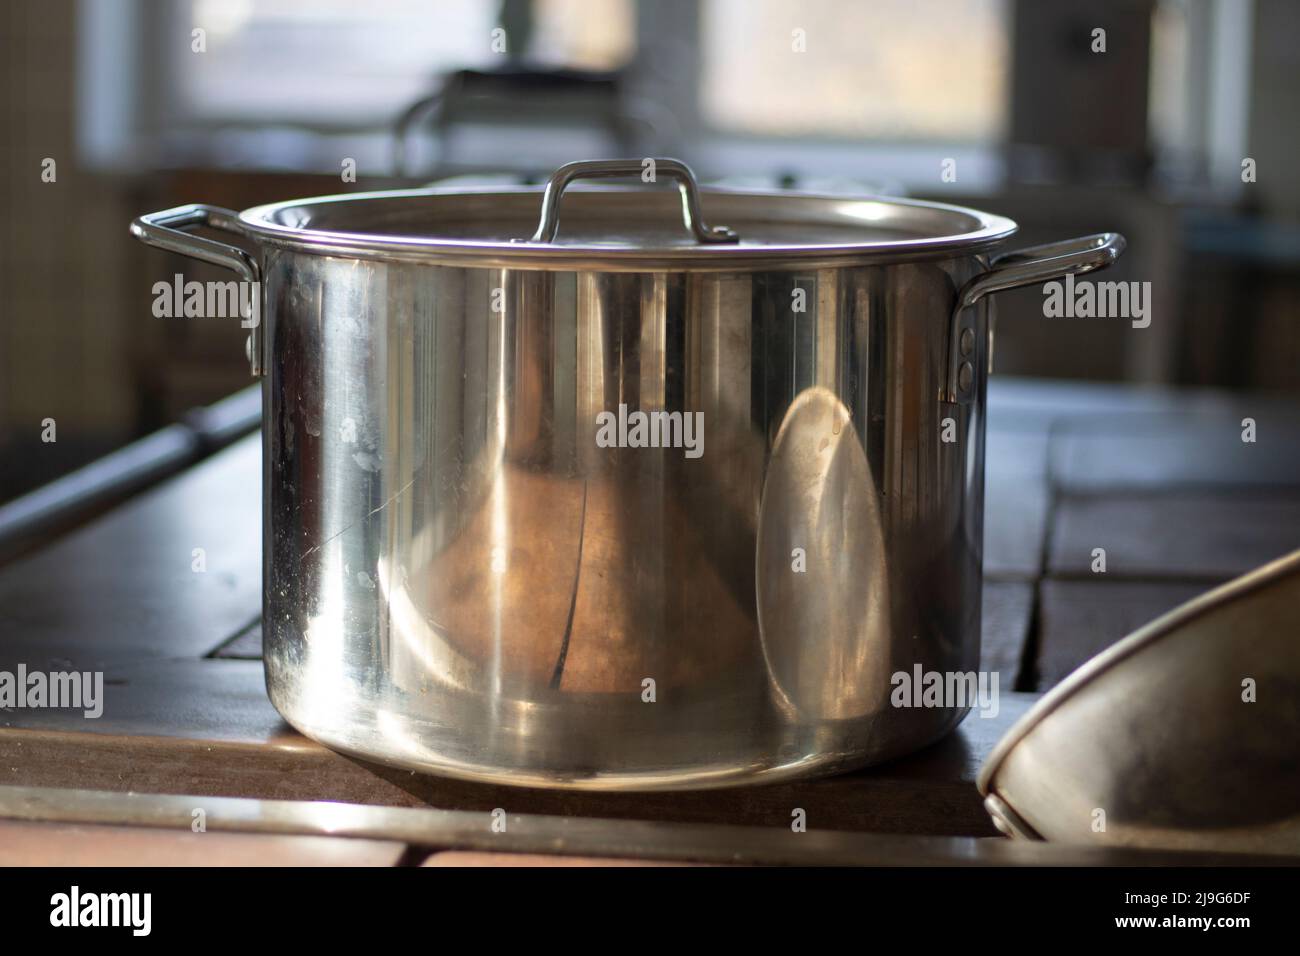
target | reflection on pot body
[
  {"x": 512, "y": 587},
  {"x": 823, "y": 603}
]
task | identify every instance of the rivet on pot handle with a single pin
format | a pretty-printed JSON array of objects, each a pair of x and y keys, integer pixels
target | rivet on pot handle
[
  {"x": 608, "y": 168},
  {"x": 164, "y": 231},
  {"x": 1009, "y": 271}
]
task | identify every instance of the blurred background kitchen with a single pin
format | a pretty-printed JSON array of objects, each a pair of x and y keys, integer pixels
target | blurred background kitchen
[{"x": 1148, "y": 137}]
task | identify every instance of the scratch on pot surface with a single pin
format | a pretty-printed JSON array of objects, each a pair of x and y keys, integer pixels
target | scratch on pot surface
[{"x": 391, "y": 498}]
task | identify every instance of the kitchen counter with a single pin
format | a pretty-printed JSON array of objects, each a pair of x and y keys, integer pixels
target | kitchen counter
[{"x": 1157, "y": 483}]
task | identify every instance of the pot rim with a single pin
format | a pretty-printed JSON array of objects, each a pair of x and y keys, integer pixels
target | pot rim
[{"x": 267, "y": 224}]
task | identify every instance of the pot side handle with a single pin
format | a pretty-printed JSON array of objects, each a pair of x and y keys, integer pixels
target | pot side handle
[
  {"x": 1009, "y": 271},
  {"x": 164, "y": 230}
]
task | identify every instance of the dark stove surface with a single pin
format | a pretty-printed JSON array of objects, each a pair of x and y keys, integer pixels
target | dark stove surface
[{"x": 1161, "y": 479}]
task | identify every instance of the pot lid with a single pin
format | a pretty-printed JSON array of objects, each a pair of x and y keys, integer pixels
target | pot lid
[{"x": 643, "y": 228}]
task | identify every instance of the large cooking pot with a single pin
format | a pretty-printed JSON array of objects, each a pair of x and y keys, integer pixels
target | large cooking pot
[{"x": 620, "y": 500}]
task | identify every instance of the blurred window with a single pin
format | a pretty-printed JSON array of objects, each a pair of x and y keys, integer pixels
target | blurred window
[
  {"x": 833, "y": 85},
  {"x": 1169, "y": 109},
  {"x": 343, "y": 62},
  {"x": 932, "y": 69}
]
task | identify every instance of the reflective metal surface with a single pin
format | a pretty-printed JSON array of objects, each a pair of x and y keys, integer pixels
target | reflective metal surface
[
  {"x": 1184, "y": 735},
  {"x": 637, "y": 229},
  {"x": 460, "y": 577}
]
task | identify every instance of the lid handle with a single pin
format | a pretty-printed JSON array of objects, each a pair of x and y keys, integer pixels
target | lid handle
[{"x": 608, "y": 168}]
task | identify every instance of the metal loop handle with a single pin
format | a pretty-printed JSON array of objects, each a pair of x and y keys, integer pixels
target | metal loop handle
[
  {"x": 560, "y": 180},
  {"x": 163, "y": 230},
  {"x": 1009, "y": 271},
  {"x": 1041, "y": 263}
]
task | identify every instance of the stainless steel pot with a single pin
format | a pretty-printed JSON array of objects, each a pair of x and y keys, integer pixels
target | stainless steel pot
[{"x": 461, "y": 577}]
